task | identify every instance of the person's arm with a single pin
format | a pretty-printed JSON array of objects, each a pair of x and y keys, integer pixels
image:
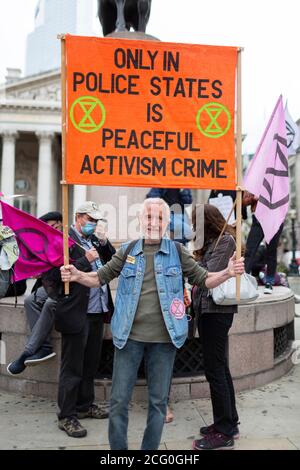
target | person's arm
[
  {"x": 82, "y": 258},
  {"x": 249, "y": 199},
  {"x": 190, "y": 268},
  {"x": 105, "y": 250},
  {"x": 82, "y": 263},
  {"x": 222, "y": 264},
  {"x": 71, "y": 274},
  {"x": 104, "y": 275},
  {"x": 101, "y": 243},
  {"x": 215, "y": 279},
  {"x": 112, "y": 268},
  {"x": 200, "y": 277},
  {"x": 234, "y": 267}
]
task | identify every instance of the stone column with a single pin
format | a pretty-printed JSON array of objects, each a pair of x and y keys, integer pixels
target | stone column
[
  {"x": 8, "y": 163},
  {"x": 45, "y": 190},
  {"x": 79, "y": 196}
]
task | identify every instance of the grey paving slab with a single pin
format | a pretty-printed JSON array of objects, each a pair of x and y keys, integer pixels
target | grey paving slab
[
  {"x": 295, "y": 440},
  {"x": 40, "y": 431},
  {"x": 242, "y": 444},
  {"x": 186, "y": 423},
  {"x": 183, "y": 444},
  {"x": 264, "y": 444}
]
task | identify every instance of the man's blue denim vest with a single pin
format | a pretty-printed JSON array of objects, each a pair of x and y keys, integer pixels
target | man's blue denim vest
[{"x": 168, "y": 274}]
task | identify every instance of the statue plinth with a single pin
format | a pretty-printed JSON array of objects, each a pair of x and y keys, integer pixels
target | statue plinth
[{"x": 132, "y": 35}]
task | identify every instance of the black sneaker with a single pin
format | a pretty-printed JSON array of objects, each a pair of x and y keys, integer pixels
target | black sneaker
[
  {"x": 41, "y": 355},
  {"x": 72, "y": 427},
  {"x": 214, "y": 441},
  {"x": 205, "y": 430},
  {"x": 17, "y": 366},
  {"x": 268, "y": 288}
]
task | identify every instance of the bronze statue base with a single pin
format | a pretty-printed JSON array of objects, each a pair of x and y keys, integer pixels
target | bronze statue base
[{"x": 132, "y": 35}]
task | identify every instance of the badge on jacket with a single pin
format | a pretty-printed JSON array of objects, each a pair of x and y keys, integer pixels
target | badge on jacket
[{"x": 130, "y": 259}]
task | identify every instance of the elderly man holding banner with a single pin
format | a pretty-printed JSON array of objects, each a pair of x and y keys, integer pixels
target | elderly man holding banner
[{"x": 149, "y": 319}]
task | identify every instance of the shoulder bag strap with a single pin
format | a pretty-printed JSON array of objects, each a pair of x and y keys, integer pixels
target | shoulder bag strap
[{"x": 225, "y": 225}]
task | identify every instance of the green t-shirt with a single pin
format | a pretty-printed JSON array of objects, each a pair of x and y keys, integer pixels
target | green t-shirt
[{"x": 148, "y": 324}]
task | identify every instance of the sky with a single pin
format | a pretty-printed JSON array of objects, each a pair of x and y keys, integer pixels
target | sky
[{"x": 268, "y": 30}]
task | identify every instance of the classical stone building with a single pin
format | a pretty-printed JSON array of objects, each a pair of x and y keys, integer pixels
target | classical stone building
[{"x": 30, "y": 123}]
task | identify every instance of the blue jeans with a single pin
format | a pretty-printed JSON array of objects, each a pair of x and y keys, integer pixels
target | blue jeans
[{"x": 159, "y": 361}]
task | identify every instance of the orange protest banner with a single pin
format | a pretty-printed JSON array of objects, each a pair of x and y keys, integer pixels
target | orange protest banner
[{"x": 147, "y": 113}]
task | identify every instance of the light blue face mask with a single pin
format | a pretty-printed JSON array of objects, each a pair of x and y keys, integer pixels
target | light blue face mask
[{"x": 88, "y": 229}]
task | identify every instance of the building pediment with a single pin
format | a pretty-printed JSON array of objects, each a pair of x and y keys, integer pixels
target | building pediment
[{"x": 41, "y": 90}]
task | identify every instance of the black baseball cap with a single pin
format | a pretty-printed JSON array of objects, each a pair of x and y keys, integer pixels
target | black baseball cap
[{"x": 54, "y": 215}]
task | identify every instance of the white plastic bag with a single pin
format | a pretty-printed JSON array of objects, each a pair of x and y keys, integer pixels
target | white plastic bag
[{"x": 225, "y": 293}]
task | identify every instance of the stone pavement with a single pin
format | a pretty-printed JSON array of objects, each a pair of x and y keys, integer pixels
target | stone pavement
[{"x": 269, "y": 420}]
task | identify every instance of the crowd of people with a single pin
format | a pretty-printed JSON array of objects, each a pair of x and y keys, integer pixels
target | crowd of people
[{"x": 148, "y": 317}]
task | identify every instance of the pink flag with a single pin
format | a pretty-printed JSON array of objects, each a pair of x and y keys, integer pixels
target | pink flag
[
  {"x": 41, "y": 246},
  {"x": 267, "y": 176}
]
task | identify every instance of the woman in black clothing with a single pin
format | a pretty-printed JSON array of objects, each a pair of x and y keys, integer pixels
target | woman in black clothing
[{"x": 214, "y": 323}]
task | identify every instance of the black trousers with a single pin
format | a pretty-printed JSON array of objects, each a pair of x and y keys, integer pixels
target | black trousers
[
  {"x": 80, "y": 357},
  {"x": 214, "y": 328},
  {"x": 256, "y": 235}
]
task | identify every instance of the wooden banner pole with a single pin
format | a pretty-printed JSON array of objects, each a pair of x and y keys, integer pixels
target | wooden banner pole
[
  {"x": 239, "y": 174},
  {"x": 65, "y": 192}
]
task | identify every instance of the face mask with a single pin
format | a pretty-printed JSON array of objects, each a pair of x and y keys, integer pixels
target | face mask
[{"x": 88, "y": 229}]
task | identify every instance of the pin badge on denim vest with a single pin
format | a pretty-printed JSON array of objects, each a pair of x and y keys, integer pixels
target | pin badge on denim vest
[{"x": 177, "y": 309}]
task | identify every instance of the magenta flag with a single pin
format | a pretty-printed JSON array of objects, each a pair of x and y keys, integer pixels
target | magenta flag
[
  {"x": 267, "y": 176},
  {"x": 41, "y": 246}
]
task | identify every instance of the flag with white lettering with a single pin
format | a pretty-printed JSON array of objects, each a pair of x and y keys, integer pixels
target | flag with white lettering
[{"x": 267, "y": 176}]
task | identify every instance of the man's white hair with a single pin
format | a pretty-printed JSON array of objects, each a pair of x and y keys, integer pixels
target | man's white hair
[{"x": 157, "y": 201}]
